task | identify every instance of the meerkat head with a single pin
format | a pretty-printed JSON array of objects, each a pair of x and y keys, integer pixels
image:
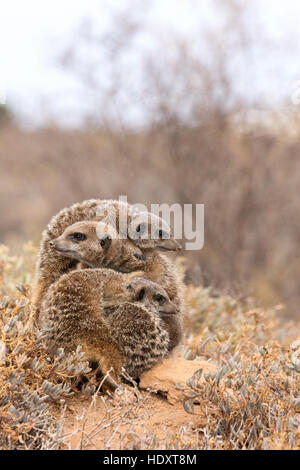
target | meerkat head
[
  {"x": 97, "y": 244},
  {"x": 149, "y": 231},
  {"x": 151, "y": 295}
]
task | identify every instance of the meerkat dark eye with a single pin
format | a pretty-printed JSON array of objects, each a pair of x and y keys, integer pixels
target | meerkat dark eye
[
  {"x": 159, "y": 298},
  {"x": 105, "y": 242},
  {"x": 77, "y": 236},
  {"x": 141, "y": 295}
]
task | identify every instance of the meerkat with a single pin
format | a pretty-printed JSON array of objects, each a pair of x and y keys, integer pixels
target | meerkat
[
  {"x": 115, "y": 318},
  {"x": 139, "y": 344},
  {"x": 158, "y": 269},
  {"x": 113, "y": 212},
  {"x": 94, "y": 243},
  {"x": 145, "y": 229},
  {"x": 51, "y": 265},
  {"x": 154, "y": 266}
]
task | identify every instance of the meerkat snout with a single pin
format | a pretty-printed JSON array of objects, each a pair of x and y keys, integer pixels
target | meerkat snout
[
  {"x": 67, "y": 241},
  {"x": 152, "y": 296},
  {"x": 169, "y": 244}
]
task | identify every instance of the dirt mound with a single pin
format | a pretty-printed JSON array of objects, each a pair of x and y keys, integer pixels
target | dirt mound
[
  {"x": 154, "y": 419},
  {"x": 169, "y": 376}
]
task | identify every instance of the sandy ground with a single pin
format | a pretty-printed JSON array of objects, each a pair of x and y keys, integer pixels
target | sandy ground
[{"x": 151, "y": 420}]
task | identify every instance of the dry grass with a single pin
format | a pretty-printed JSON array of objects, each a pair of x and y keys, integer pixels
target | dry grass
[
  {"x": 29, "y": 379},
  {"x": 252, "y": 402}
]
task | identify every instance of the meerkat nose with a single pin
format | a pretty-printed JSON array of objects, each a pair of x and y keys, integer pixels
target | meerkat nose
[
  {"x": 176, "y": 245},
  {"x": 179, "y": 247},
  {"x": 140, "y": 257}
]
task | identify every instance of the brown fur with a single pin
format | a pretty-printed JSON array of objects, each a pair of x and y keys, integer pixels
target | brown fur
[
  {"x": 129, "y": 333},
  {"x": 55, "y": 258},
  {"x": 156, "y": 267},
  {"x": 51, "y": 265}
]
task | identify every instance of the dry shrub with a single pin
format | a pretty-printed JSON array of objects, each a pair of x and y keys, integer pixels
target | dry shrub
[
  {"x": 29, "y": 380},
  {"x": 252, "y": 402}
]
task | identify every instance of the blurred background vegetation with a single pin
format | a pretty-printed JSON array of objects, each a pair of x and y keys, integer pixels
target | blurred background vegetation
[{"x": 172, "y": 119}]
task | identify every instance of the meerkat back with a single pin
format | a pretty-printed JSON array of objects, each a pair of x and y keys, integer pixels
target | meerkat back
[{"x": 132, "y": 336}]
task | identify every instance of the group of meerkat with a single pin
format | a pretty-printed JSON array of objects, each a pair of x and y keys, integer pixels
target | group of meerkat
[{"x": 116, "y": 296}]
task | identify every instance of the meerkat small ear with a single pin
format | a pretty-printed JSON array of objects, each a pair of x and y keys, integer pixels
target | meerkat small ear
[
  {"x": 129, "y": 286},
  {"x": 105, "y": 242}
]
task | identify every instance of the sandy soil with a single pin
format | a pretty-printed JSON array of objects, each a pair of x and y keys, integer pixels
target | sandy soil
[{"x": 151, "y": 420}]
